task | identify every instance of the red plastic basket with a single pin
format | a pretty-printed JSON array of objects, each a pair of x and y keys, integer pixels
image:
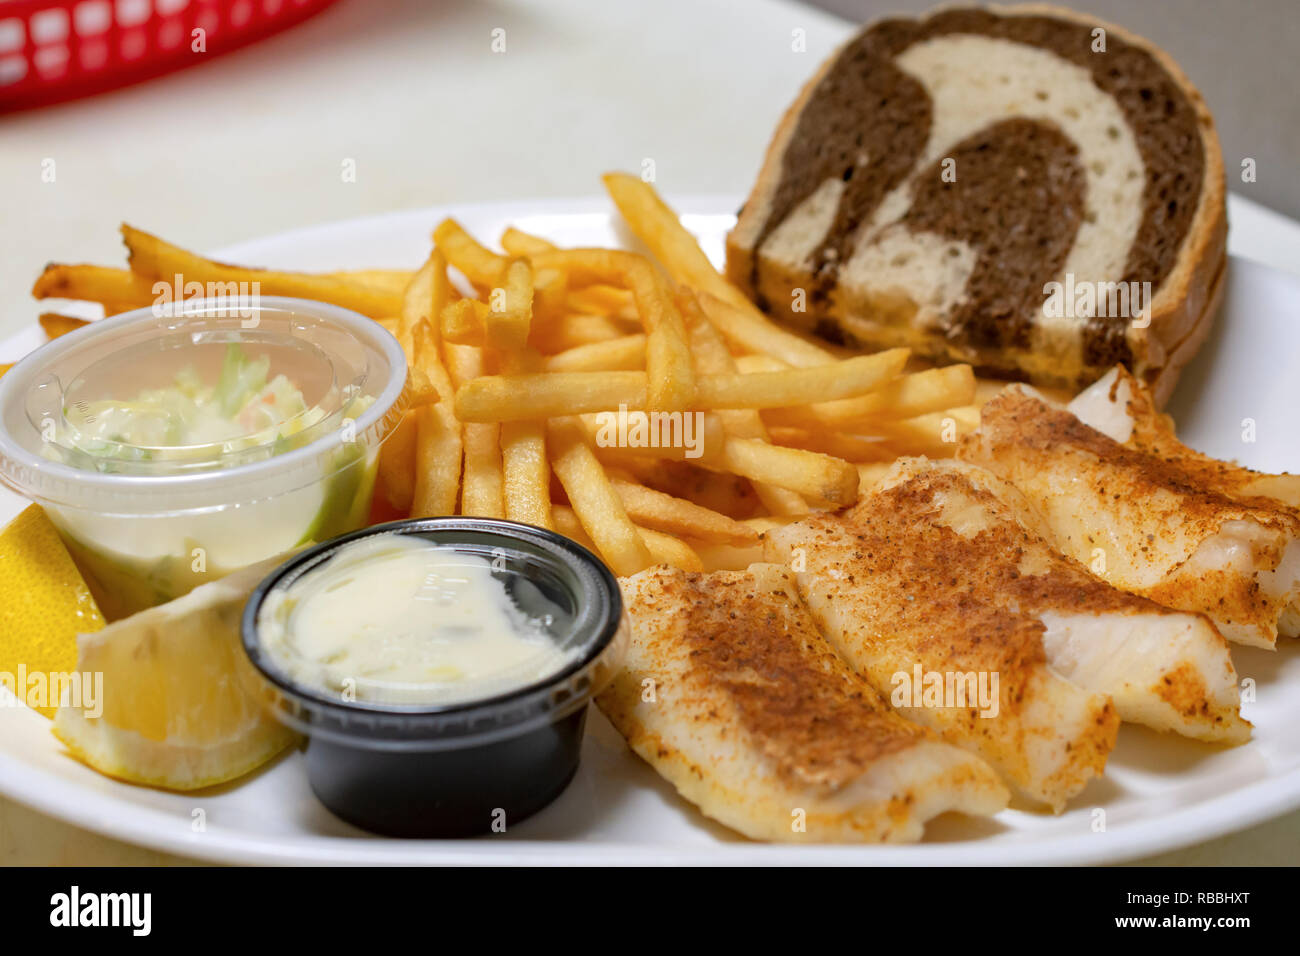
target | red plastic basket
[{"x": 53, "y": 50}]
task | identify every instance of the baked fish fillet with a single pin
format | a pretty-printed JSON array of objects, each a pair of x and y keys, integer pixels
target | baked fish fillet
[
  {"x": 935, "y": 567},
  {"x": 731, "y": 693},
  {"x": 1119, "y": 406},
  {"x": 1154, "y": 523}
]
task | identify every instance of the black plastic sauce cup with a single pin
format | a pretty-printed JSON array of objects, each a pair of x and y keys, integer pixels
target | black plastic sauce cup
[{"x": 463, "y": 768}]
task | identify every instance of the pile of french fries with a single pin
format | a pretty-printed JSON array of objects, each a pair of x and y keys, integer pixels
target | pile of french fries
[{"x": 518, "y": 357}]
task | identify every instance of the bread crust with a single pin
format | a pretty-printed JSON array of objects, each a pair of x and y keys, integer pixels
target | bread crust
[{"x": 1185, "y": 305}]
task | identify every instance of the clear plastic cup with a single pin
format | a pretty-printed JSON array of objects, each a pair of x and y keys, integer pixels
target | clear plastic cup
[{"x": 150, "y": 509}]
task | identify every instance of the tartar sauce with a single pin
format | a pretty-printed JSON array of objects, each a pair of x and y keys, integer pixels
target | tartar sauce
[{"x": 398, "y": 619}]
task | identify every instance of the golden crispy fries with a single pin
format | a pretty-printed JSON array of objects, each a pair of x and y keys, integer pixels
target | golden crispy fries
[
  {"x": 464, "y": 322},
  {"x": 397, "y": 463},
  {"x": 392, "y": 281},
  {"x": 658, "y": 227},
  {"x": 594, "y": 500},
  {"x": 727, "y": 557},
  {"x": 677, "y": 516},
  {"x": 655, "y": 224},
  {"x": 519, "y": 243},
  {"x": 527, "y": 473},
  {"x": 503, "y": 398},
  {"x": 669, "y": 436},
  {"x": 118, "y": 290},
  {"x": 905, "y": 397},
  {"x": 481, "y": 492},
  {"x": 750, "y": 331},
  {"x": 511, "y": 308},
  {"x": 509, "y": 397},
  {"x": 718, "y": 491},
  {"x": 818, "y": 476},
  {"x": 712, "y": 357},
  {"x": 480, "y": 265},
  {"x": 623, "y": 354},
  {"x": 56, "y": 324},
  {"x": 604, "y": 300},
  {"x": 936, "y": 434},
  {"x": 420, "y": 389},
  {"x": 756, "y": 364},
  {"x": 663, "y": 548},
  {"x": 439, "y": 441},
  {"x": 668, "y": 357},
  {"x": 853, "y": 448},
  {"x": 5, "y": 367},
  {"x": 800, "y": 386},
  {"x": 157, "y": 260},
  {"x": 571, "y": 331},
  {"x": 424, "y": 299}
]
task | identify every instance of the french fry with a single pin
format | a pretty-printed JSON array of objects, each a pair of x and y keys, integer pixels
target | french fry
[
  {"x": 604, "y": 300},
  {"x": 594, "y": 500},
  {"x": 666, "y": 549},
  {"x": 817, "y": 476},
  {"x": 503, "y": 398},
  {"x": 56, "y": 324},
  {"x": 715, "y": 490},
  {"x": 519, "y": 243},
  {"x": 157, "y": 260},
  {"x": 855, "y": 448},
  {"x": 748, "y": 330},
  {"x": 439, "y": 440},
  {"x": 527, "y": 473},
  {"x": 669, "y": 436},
  {"x": 5, "y": 367},
  {"x": 727, "y": 557},
  {"x": 481, "y": 492},
  {"x": 118, "y": 290},
  {"x": 801, "y": 386},
  {"x": 907, "y": 396},
  {"x": 464, "y": 322},
  {"x": 661, "y": 512},
  {"x": 397, "y": 464},
  {"x": 393, "y": 281},
  {"x": 935, "y": 435},
  {"x": 575, "y": 329},
  {"x": 507, "y": 326},
  {"x": 712, "y": 357},
  {"x": 545, "y": 395},
  {"x": 668, "y": 356},
  {"x": 656, "y": 225},
  {"x": 424, "y": 299},
  {"x": 420, "y": 388},
  {"x": 663, "y": 548},
  {"x": 757, "y": 364},
  {"x": 623, "y": 354},
  {"x": 480, "y": 265}
]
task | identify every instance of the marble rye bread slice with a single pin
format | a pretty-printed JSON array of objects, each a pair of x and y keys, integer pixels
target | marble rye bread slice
[{"x": 937, "y": 175}]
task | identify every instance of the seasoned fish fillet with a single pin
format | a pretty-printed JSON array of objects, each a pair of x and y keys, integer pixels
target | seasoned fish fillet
[
  {"x": 1118, "y": 405},
  {"x": 1149, "y": 521},
  {"x": 927, "y": 574},
  {"x": 731, "y": 693},
  {"x": 939, "y": 565}
]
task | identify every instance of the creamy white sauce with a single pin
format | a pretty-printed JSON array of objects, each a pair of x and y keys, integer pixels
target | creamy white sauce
[{"x": 397, "y": 619}]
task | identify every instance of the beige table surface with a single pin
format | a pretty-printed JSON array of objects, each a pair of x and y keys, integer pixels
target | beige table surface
[{"x": 253, "y": 143}]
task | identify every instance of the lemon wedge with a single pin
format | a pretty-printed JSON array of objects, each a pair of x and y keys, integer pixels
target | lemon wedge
[
  {"x": 44, "y": 604},
  {"x": 177, "y": 708}
]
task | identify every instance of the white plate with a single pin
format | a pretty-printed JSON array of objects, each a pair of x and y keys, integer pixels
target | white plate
[{"x": 1159, "y": 793}]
